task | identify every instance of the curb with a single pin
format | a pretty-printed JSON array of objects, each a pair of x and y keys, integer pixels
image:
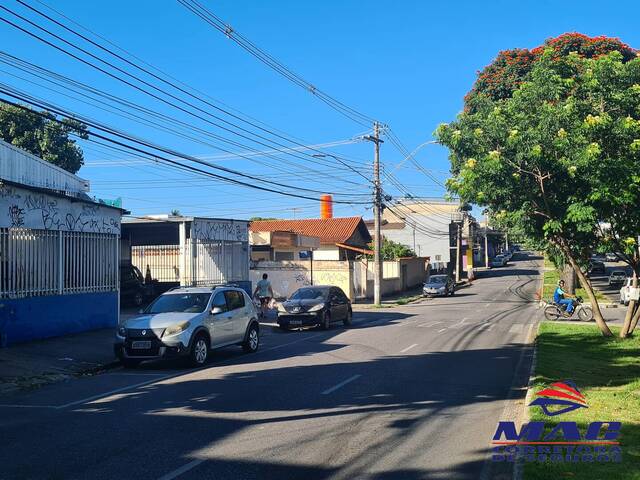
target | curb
[
  {"x": 518, "y": 465},
  {"x": 56, "y": 378}
]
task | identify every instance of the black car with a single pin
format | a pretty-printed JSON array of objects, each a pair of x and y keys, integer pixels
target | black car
[
  {"x": 596, "y": 267},
  {"x": 317, "y": 305},
  {"x": 133, "y": 290}
]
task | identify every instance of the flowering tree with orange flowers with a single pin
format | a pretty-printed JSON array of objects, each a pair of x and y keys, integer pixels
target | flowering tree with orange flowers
[{"x": 550, "y": 139}]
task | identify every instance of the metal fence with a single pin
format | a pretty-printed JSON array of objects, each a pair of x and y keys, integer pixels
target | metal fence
[
  {"x": 201, "y": 263},
  {"x": 44, "y": 262}
]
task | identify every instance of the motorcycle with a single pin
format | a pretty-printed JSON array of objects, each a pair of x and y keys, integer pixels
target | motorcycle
[{"x": 555, "y": 311}]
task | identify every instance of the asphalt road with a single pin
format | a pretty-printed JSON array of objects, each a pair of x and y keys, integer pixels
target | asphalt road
[{"x": 413, "y": 392}]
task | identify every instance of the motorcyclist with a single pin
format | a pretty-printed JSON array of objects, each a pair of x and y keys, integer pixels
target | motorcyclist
[{"x": 563, "y": 298}]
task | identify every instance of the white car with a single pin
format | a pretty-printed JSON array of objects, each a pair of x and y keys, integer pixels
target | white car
[
  {"x": 625, "y": 292},
  {"x": 617, "y": 277},
  {"x": 498, "y": 261},
  {"x": 189, "y": 322}
]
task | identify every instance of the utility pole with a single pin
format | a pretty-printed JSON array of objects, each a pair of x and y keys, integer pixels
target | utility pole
[
  {"x": 458, "y": 252},
  {"x": 486, "y": 239},
  {"x": 377, "y": 210}
]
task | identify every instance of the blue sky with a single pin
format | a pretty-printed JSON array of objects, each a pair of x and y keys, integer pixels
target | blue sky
[{"x": 408, "y": 65}]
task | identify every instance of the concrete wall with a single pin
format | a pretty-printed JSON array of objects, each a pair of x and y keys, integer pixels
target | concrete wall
[
  {"x": 35, "y": 318},
  {"x": 287, "y": 277},
  {"x": 352, "y": 277}
]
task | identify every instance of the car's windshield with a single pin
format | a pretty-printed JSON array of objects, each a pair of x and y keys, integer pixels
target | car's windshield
[
  {"x": 309, "y": 294},
  {"x": 177, "y": 302},
  {"x": 438, "y": 279}
]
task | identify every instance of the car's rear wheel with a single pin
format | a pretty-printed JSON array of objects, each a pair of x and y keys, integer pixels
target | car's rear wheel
[
  {"x": 326, "y": 321},
  {"x": 199, "y": 350},
  {"x": 348, "y": 319},
  {"x": 252, "y": 342}
]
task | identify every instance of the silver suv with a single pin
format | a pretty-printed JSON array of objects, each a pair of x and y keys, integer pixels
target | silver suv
[{"x": 189, "y": 322}]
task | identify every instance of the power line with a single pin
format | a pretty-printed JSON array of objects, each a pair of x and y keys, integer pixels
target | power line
[
  {"x": 228, "y": 128},
  {"x": 137, "y": 149},
  {"x": 264, "y": 57}
]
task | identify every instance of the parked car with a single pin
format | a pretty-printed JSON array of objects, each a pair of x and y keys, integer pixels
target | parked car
[
  {"x": 317, "y": 305},
  {"x": 133, "y": 290},
  {"x": 617, "y": 277},
  {"x": 439, "y": 285},
  {"x": 625, "y": 292},
  {"x": 611, "y": 257},
  {"x": 189, "y": 322},
  {"x": 498, "y": 261},
  {"x": 596, "y": 267}
]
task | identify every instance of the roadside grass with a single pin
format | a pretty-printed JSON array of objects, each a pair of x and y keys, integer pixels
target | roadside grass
[
  {"x": 407, "y": 299},
  {"x": 607, "y": 371},
  {"x": 550, "y": 281}
]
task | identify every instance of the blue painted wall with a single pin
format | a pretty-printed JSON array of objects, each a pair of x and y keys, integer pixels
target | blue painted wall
[{"x": 34, "y": 318}]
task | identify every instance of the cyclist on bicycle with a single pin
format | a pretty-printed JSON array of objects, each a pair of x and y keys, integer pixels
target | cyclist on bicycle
[
  {"x": 264, "y": 292},
  {"x": 563, "y": 298}
]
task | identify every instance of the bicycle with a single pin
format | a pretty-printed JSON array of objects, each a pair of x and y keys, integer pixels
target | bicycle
[{"x": 555, "y": 311}]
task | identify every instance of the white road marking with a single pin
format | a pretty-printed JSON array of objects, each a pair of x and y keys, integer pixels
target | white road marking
[
  {"x": 487, "y": 305},
  {"x": 409, "y": 348},
  {"x": 441, "y": 330},
  {"x": 185, "y": 468},
  {"x": 341, "y": 384},
  {"x": 460, "y": 323}
]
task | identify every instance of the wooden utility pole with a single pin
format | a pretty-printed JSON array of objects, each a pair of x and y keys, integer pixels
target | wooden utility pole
[{"x": 377, "y": 211}]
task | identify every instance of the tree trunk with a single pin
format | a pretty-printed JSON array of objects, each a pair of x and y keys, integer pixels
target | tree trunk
[
  {"x": 584, "y": 281},
  {"x": 626, "y": 326},
  {"x": 569, "y": 277},
  {"x": 634, "y": 322}
]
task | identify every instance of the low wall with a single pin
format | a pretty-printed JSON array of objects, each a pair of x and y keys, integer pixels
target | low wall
[
  {"x": 35, "y": 318},
  {"x": 286, "y": 277}
]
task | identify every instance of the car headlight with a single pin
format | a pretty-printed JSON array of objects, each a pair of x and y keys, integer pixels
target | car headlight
[
  {"x": 122, "y": 331},
  {"x": 176, "y": 329},
  {"x": 281, "y": 308},
  {"x": 316, "y": 308}
]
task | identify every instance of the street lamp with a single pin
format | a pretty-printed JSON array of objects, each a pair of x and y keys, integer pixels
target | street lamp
[{"x": 415, "y": 150}]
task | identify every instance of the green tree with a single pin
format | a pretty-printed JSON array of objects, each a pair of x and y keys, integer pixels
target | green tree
[
  {"x": 559, "y": 156},
  {"x": 391, "y": 250},
  {"x": 42, "y": 136}
]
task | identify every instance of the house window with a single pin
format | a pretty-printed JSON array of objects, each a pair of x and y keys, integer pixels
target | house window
[
  {"x": 280, "y": 256},
  {"x": 438, "y": 258}
]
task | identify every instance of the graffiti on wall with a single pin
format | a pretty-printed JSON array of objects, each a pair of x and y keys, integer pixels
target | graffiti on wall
[
  {"x": 21, "y": 208},
  {"x": 227, "y": 230}
]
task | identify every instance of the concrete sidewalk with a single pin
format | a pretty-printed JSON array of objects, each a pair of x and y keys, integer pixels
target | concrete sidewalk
[{"x": 33, "y": 364}]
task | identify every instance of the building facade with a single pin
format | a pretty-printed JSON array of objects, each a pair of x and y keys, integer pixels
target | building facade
[{"x": 59, "y": 252}]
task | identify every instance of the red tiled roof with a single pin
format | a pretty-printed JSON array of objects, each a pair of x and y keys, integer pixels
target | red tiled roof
[{"x": 330, "y": 230}]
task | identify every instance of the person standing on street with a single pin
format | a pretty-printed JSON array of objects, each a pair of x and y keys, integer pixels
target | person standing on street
[{"x": 264, "y": 292}]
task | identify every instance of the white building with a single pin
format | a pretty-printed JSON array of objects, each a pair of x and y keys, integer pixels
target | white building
[{"x": 422, "y": 225}]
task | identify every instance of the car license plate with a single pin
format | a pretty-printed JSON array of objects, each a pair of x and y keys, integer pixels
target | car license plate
[
  {"x": 141, "y": 345},
  {"x": 295, "y": 322}
]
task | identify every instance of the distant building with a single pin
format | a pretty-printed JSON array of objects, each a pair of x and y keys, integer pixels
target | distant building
[
  {"x": 280, "y": 246},
  {"x": 339, "y": 238},
  {"x": 422, "y": 225},
  {"x": 59, "y": 251}
]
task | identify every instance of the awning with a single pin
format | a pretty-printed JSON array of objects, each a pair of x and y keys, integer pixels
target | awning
[{"x": 355, "y": 249}]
